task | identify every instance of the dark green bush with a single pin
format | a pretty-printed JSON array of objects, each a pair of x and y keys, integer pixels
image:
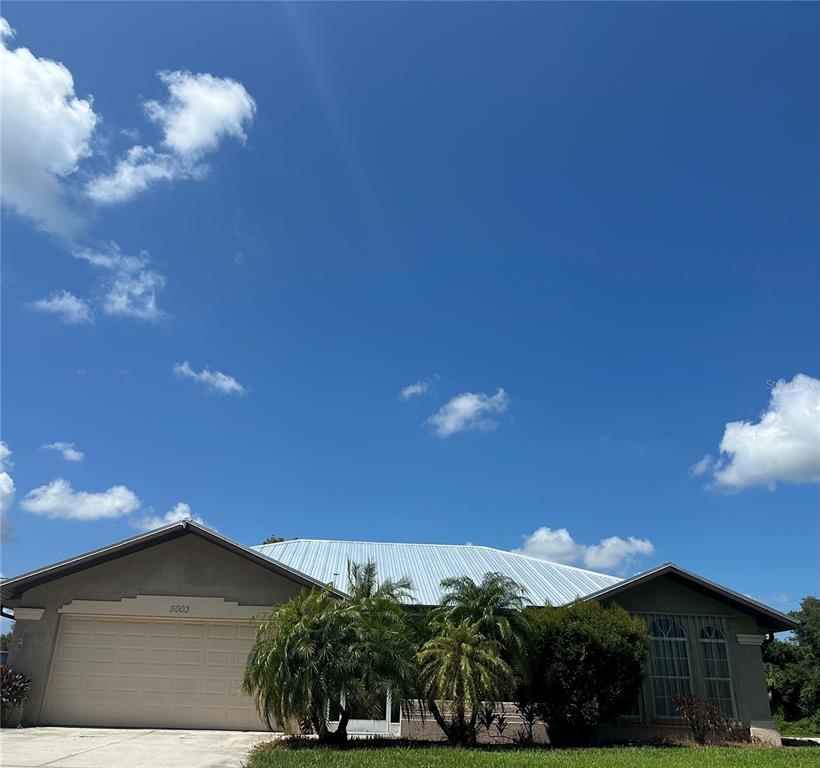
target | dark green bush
[
  {"x": 585, "y": 668},
  {"x": 793, "y": 666}
]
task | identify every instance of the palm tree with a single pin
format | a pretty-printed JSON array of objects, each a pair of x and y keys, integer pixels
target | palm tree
[
  {"x": 495, "y": 605},
  {"x": 363, "y": 584},
  {"x": 464, "y": 668},
  {"x": 382, "y": 651},
  {"x": 317, "y": 653}
]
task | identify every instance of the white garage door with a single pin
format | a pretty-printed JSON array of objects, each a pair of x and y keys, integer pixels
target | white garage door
[{"x": 140, "y": 672}]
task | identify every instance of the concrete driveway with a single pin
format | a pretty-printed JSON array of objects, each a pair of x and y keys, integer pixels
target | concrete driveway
[{"x": 124, "y": 748}]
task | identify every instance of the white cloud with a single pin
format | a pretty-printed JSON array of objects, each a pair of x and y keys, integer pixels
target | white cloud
[
  {"x": 58, "y": 499},
  {"x": 5, "y": 451},
  {"x": 615, "y": 552},
  {"x": 558, "y": 546},
  {"x": 201, "y": 110},
  {"x": 68, "y": 451},
  {"x": 66, "y": 306},
  {"x": 6, "y": 491},
  {"x": 215, "y": 381},
  {"x": 47, "y": 131},
  {"x": 469, "y": 411},
  {"x": 139, "y": 169},
  {"x": 782, "y": 446},
  {"x": 181, "y": 511},
  {"x": 131, "y": 286},
  {"x": 702, "y": 466},
  {"x": 414, "y": 390}
]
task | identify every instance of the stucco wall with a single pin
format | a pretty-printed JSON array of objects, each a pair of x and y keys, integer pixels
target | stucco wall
[
  {"x": 188, "y": 566},
  {"x": 667, "y": 595}
]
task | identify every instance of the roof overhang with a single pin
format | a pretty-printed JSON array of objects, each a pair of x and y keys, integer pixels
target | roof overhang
[
  {"x": 773, "y": 620},
  {"x": 13, "y": 587}
]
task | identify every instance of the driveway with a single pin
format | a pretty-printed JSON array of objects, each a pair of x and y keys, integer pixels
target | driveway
[{"x": 124, "y": 748}]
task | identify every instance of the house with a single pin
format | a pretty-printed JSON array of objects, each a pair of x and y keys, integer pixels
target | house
[{"x": 154, "y": 631}]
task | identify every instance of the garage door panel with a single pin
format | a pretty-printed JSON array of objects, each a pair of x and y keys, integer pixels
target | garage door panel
[
  {"x": 74, "y": 626},
  {"x": 221, "y": 631},
  {"x": 150, "y": 673},
  {"x": 136, "y": 629},
  {"x": 189, "y": 657},
  {"x": 190, "y": 630},
  {"x": 70, "y": 653}
]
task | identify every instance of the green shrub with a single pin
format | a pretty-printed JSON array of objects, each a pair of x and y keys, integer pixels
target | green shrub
[
  {"x": 585, "y": 668},
  {"x": 808, "y": 726}
]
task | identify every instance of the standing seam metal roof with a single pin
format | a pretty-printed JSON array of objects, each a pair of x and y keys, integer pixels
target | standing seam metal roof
[{"x": 426, "y": 565}]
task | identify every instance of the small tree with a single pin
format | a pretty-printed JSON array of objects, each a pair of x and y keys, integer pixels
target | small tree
[
  {"x": 273, "y": 539},
  {"x": 14, "y": 687},
  {"x": 317, "y": 653},
  {"x": 586, "y": 667},
  {"x": 495, "y": 605},
  {"x": 461, "y": 667}
]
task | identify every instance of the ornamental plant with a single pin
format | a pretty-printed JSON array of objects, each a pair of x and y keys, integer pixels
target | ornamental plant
[{"x": 14, "y": 687}]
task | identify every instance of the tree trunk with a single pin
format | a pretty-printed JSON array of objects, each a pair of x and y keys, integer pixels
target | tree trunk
[
  {"x": 447, "y": 728},
  {"x": 339, "y": 736},
  {"x": 471, "y": 735}
]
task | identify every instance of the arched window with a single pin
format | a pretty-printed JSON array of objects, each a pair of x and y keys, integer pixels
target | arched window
[
  {"x": 669, "y": 668},
  {"x": 717, "y": 680}
]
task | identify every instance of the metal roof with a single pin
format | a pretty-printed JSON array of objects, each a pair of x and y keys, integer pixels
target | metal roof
[{"x": 427, "y": 564}]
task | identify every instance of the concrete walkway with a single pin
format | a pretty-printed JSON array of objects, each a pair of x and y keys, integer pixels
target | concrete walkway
[{"x": 124, "y": 748}]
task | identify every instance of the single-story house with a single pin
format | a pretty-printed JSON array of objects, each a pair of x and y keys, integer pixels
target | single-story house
[{"x": 154, "y": 631}]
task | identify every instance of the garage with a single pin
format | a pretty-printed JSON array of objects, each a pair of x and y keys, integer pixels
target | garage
[
  {"x": 148, "y": 672},
  {"x": 150, "y": 632}
]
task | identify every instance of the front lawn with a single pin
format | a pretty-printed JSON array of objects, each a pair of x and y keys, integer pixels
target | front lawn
[{"x": 626, "y": 757}]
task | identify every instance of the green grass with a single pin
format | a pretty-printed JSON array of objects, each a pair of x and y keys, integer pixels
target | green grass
[{"x": 626, "y": 757}]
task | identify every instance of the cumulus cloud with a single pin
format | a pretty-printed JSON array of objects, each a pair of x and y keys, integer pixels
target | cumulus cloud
[
  {"x": 215, "y": 381},
  {"x": 468, "y": 411},
  {"x": 58, "y": 499},
  {"x": 782, "y": 446},
  {"x": 139, "y": 169},
  {"x": 200, "y": 111},
  {"x": 558, "y": 546},
  {"x": 181, "y": 511},
  {"x": 130, "y": 285},
  {"x": 65, "y": 306},
  {"x": 702, "y": 466},
  {"x": 6, "y": 491},
  {"x": 68, "y": 451},
  {"x": 418, "y": 389},
  {"x": 47, "y": 131}
]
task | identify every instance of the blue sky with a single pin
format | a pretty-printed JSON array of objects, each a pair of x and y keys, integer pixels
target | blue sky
[{"x": 589, "y": 233}]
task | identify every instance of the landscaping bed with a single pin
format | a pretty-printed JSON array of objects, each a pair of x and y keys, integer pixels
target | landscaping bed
[{"x": 617, "y": 757}]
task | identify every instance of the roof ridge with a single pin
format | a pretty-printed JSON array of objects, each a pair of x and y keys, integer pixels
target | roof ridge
[{"x": 439, "y": 544}]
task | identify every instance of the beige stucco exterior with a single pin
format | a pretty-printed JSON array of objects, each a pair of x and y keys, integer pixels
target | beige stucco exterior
[
  {"x": 185, "y": 567},
  {"x": 193, "y": 577},
  {"x": 668, "y": 595}
]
